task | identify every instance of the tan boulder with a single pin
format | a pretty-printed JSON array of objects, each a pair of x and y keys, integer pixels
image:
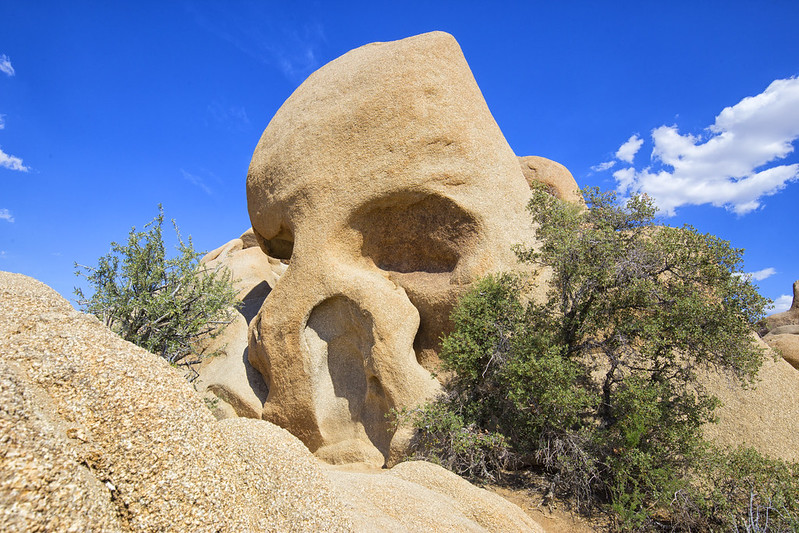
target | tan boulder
[
  {"x": 97, "y": 434},
  {"x": 228, "y": 380},
  {"x": 556, "y": 177},
  {"x": 388, "y": 184},
  {"x": 785, "y": 344},
  {"x": 421, "y": 496}
]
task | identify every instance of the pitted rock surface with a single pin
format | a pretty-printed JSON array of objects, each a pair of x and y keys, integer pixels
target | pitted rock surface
[{"x": 100, "y": 435}]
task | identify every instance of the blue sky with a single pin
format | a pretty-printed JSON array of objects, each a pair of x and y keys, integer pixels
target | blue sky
[{"x": 108, "y": 108}]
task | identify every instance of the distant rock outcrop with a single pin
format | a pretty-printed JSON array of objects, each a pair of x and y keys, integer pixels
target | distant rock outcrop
[
  {"x": 782, "y": 331},
  {"x": 386, "y": 181}
]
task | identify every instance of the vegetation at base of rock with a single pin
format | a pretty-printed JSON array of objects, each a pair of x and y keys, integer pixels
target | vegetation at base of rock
[
  {"x": 597, "y": 385},
  {"x": 165, "y": 305}
]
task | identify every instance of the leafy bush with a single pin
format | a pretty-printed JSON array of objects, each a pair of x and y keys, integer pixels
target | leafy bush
[
  {"x": 596, "y": 384},
  {"x": 162, "y": 304},
  {"x": 750, "y": 492},
  {"x": 444, "y": 438}
]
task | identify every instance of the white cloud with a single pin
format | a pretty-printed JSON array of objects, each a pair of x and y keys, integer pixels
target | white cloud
[
  {"x": 783, "y": 303},
  {"x": 627, "y": 151},
  {"x": 5, "y": 214},
  {"x": 726, "y": 166},
  {"x": 603, "y": 166},
  {"x": 2, "y": 121},
  {"x": 760, "y": 275},
  {"x": 196, "y": 181},
  {"x": 11, "y": 162},
  {"x": 5, "y": 65}
]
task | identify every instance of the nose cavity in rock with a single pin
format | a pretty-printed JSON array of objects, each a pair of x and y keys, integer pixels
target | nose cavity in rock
[
  {"x": 279, "y": 245},
  {"x": 349, "y": 398},
  {"x": 418, "y": 240}
]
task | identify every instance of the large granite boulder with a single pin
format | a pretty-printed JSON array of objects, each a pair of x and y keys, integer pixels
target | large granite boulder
[
  {"x": 97, "y": 434},
  {"x": 387, "y": 183},
  {"x": 421, "y": 496}
]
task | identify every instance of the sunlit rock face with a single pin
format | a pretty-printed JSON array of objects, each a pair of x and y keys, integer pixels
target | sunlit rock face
[{"x": 388, "y": 185}]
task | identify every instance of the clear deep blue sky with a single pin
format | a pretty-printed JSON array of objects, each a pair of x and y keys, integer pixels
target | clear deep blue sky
[{"x": 108, "y": 108}]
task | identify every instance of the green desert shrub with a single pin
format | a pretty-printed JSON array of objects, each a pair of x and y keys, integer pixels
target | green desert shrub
[
  {"x": 596, "y": 384},
  {"x": 446, "y": 439},
  {"x": 163, "y": 304},
  {"x": 749, "y": 492}
]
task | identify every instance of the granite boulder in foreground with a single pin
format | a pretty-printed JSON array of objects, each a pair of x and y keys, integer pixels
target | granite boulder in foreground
[{"x": 98, "y": 434}]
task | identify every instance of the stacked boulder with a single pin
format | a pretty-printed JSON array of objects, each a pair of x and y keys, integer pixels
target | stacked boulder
[
  {"x": 781, "y": 331},
  {"x": 227, "y": 379}
]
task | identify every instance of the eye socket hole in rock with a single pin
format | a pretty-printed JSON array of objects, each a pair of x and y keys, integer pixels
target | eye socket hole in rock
[
  {"x": 412, "y": 232},
  {"x": 419, "y": 238}
]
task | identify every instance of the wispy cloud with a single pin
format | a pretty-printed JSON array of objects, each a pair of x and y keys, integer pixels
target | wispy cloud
[
  {"x": 5, "y": 65},
  {"x": 6, "y": 215},
  {"x": 12, "y": 162},
  {"x": 728, "y": 164},
  {"x": 266, "y": 34},
  {"x": 2, "y": 121},
  {"x": 783, "y": 303},
  {"x": 231, "y": 116},
  {"x": 760, "y": 275},
  {"x": 195, "y": 180},
  {"x": 627, "y": 151},
  {"x": 601, "y": 167}
]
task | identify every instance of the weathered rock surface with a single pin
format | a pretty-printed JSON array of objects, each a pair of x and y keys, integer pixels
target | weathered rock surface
[
  {"x": 787, "y": 345},
  {"x": 228, "y": 379},
  {"x": 100, "y": 435},
  {"x": 387, "y": 182},
  {"x": 420, "y": 496},
  {"x": 765, "y": 417},
  {"x": 556, "y": 177}
]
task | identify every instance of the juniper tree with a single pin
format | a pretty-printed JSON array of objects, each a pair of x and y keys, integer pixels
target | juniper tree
[{"x": 597, "y": 383}]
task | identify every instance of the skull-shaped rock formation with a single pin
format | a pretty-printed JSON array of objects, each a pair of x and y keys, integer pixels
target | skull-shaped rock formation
[{"x": 387, "y": 183}]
